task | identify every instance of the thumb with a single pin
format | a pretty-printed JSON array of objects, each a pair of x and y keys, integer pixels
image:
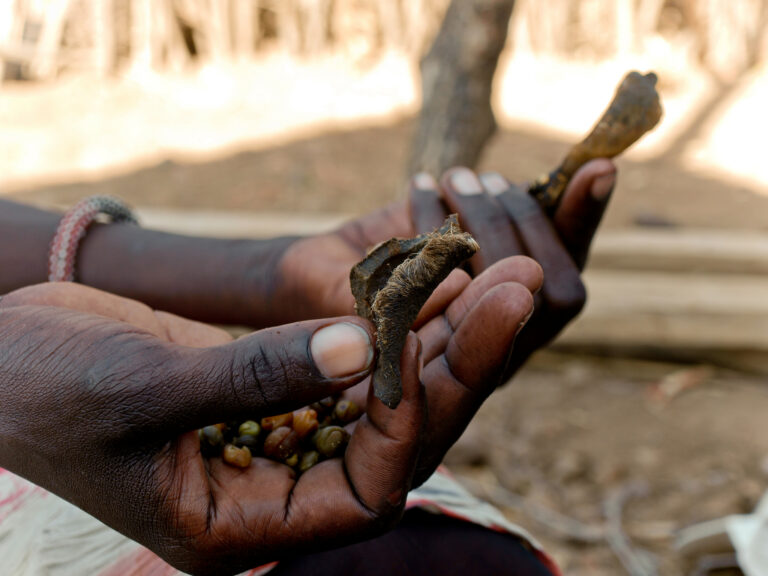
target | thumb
[{"x": 272, "y": 371}]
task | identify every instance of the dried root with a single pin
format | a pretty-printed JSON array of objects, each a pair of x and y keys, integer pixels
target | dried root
[
  {"x": 635, "y": 110},
  {"x": 392, "y": 284}
]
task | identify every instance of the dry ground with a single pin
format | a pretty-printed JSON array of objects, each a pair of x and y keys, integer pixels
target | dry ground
[{"x": 355, "y": 171}]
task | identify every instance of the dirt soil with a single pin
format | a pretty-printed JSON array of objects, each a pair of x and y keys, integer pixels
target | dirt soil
[{"x": 569, "y": 430}]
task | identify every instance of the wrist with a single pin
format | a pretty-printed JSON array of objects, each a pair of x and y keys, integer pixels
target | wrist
[{"x": 266, "y": 294}]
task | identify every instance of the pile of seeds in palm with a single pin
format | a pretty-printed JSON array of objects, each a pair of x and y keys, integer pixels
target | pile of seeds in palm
[
  {"x": 390, "y": 285},
  {"x": 299, "y": 439}
]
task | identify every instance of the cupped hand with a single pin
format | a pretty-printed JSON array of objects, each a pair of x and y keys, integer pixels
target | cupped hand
[
  {"x": 506, "y": 220},
  {"x": 467, "y": 328},
  {"x": 100, "y": 403}
]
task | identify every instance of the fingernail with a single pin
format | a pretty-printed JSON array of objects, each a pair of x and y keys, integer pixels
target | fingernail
[
  {"x": 495, "y": 183},
  {"x": 424, "y": 181},
  {"x": 341, "y": 349},
  {"x": 602, "y": 186},
  {"x": 465, "y": 182}
]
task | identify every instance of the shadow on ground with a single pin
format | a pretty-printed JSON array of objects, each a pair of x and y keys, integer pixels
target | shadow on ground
[{"x": 358, "y": 171}]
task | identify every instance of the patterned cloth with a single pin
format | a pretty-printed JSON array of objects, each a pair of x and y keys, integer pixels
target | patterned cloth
[{"x": 43, "y": 535}]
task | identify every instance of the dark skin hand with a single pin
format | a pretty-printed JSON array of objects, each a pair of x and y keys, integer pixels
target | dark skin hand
[
  {"x": 503, "y": 218},
  {"x": 559, "y": 244},
  {"x": 113, "y": 409},
  {"x": 467, "y": 328},
  {"x": 102, "y": 409}
]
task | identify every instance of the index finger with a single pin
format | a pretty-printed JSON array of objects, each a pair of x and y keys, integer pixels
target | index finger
[{"x": 481, "y": 215}]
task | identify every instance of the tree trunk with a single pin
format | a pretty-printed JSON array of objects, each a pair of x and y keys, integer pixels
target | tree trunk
[{"x": 457, "y": 74}]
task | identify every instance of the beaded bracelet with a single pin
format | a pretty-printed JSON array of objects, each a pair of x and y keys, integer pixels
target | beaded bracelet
[{"x": 72, "y": 228}]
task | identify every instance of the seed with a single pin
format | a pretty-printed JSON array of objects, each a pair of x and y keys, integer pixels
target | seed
[
  {"x": 298, "y": 439},
  {"x": 323, "y": 406},
  {"x": 330, "y": 441},
  {"x": 346, "y": 411},
  {"x": 240, "y": 457},
  {"x": 281, "y": 443},
  {"x": 305, "y": 422},
  {"x": 273, "y": 422},
  {"x": 248, "y": 440},
  {"x": 308, "y": 459},
  {"x": 249, "y": 428},
  {"x": 211, "y": 435}
]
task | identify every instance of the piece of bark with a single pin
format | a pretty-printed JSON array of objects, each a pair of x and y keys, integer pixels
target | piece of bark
[
  {"x": 392, "y": 284},
  {"x": 635, "y": 110}
]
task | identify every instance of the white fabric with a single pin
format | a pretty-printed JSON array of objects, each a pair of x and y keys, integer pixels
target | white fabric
[{"x": 749, "y": 535}]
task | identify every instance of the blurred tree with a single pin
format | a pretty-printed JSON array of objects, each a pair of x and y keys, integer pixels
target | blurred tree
[{"x": 457, "y": 74}]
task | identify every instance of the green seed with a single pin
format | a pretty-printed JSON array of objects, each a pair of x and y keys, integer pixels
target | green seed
[
  {"x": 292, "y": 460},
  {"x": 346, "y": 411},
  {"x": 212, "y": 435},
  {"x": 249, "y": 428},
  {"x": 330, "y": 441},
  {"x": 308, "y": 459}
]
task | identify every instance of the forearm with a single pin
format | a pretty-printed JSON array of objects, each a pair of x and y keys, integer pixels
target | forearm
[
  {"x": 25, "y": 237},
  {"x": 212, "y": 280},
  {"x": 207, "y": 279}
]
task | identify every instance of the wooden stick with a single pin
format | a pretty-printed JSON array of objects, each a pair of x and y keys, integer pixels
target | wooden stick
[{"x": 103, "y": 35}]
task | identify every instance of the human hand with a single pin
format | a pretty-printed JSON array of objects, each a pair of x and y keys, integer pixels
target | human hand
[
  {"x": 506, "y": 220},
  {"x": 100, "y": 402},
  {"x": 313, "y": 273},
  {"x": 467, "y": 328}
]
